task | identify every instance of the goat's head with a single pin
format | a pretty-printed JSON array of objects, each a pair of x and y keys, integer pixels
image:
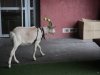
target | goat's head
[{"x": 51, "y": 28}]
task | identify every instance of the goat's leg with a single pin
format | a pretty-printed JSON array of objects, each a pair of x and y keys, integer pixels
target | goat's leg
[
  {"x": 16, "y": 59},
  {"x": 11, "y": 55},
  {"x": 36, "y": 44},
  {"x": 40, "y": 50}
]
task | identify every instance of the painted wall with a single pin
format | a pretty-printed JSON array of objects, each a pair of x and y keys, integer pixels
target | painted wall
[{"x": 66, "y": 13}]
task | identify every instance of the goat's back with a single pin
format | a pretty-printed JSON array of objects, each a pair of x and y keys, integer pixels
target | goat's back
[{"x": 25, "y": 35}]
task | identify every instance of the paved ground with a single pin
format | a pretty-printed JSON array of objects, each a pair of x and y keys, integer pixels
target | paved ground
[{"x": 56, "y": 50}]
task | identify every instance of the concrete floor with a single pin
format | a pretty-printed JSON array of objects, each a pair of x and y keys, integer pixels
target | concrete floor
[{"x": 56, "y": 50}]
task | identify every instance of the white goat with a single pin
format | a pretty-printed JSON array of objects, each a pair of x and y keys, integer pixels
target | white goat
[{"x": 28, "y": 35}]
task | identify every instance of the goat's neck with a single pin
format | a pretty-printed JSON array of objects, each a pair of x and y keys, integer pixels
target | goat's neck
[{"x": 46, "y": 30}]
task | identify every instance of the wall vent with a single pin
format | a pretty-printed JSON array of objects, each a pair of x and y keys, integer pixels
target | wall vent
[{"x": 70, "y": 30}]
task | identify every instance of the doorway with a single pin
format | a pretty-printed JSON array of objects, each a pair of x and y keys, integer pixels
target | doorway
[{"x": 15, "y": 13}]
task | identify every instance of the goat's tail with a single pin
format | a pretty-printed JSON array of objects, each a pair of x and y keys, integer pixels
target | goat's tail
[{"x": 11, "y": 35}]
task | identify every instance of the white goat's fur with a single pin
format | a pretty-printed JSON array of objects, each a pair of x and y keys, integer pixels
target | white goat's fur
[{"x": 27, "y": 35}]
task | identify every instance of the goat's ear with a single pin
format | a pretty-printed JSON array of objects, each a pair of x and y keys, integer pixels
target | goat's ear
[{"x": 54, "y": 26}]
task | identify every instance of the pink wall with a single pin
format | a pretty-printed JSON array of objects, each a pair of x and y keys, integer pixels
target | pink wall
[{"x": 66, "y": 13}]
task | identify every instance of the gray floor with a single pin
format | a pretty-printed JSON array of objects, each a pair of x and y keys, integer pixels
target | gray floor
[{"x": 56, "y": 50}]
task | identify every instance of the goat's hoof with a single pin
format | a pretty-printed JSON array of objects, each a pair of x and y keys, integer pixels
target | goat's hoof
[
  {"x": 18, "y": 62},
  {"x": 9, "y": 66},
  {"x": 42, "y": 54},
  {"x": 34, "y": 59}
]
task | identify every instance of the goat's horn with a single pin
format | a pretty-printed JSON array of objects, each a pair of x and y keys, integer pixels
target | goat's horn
[{"x": 50, "y": 23}]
